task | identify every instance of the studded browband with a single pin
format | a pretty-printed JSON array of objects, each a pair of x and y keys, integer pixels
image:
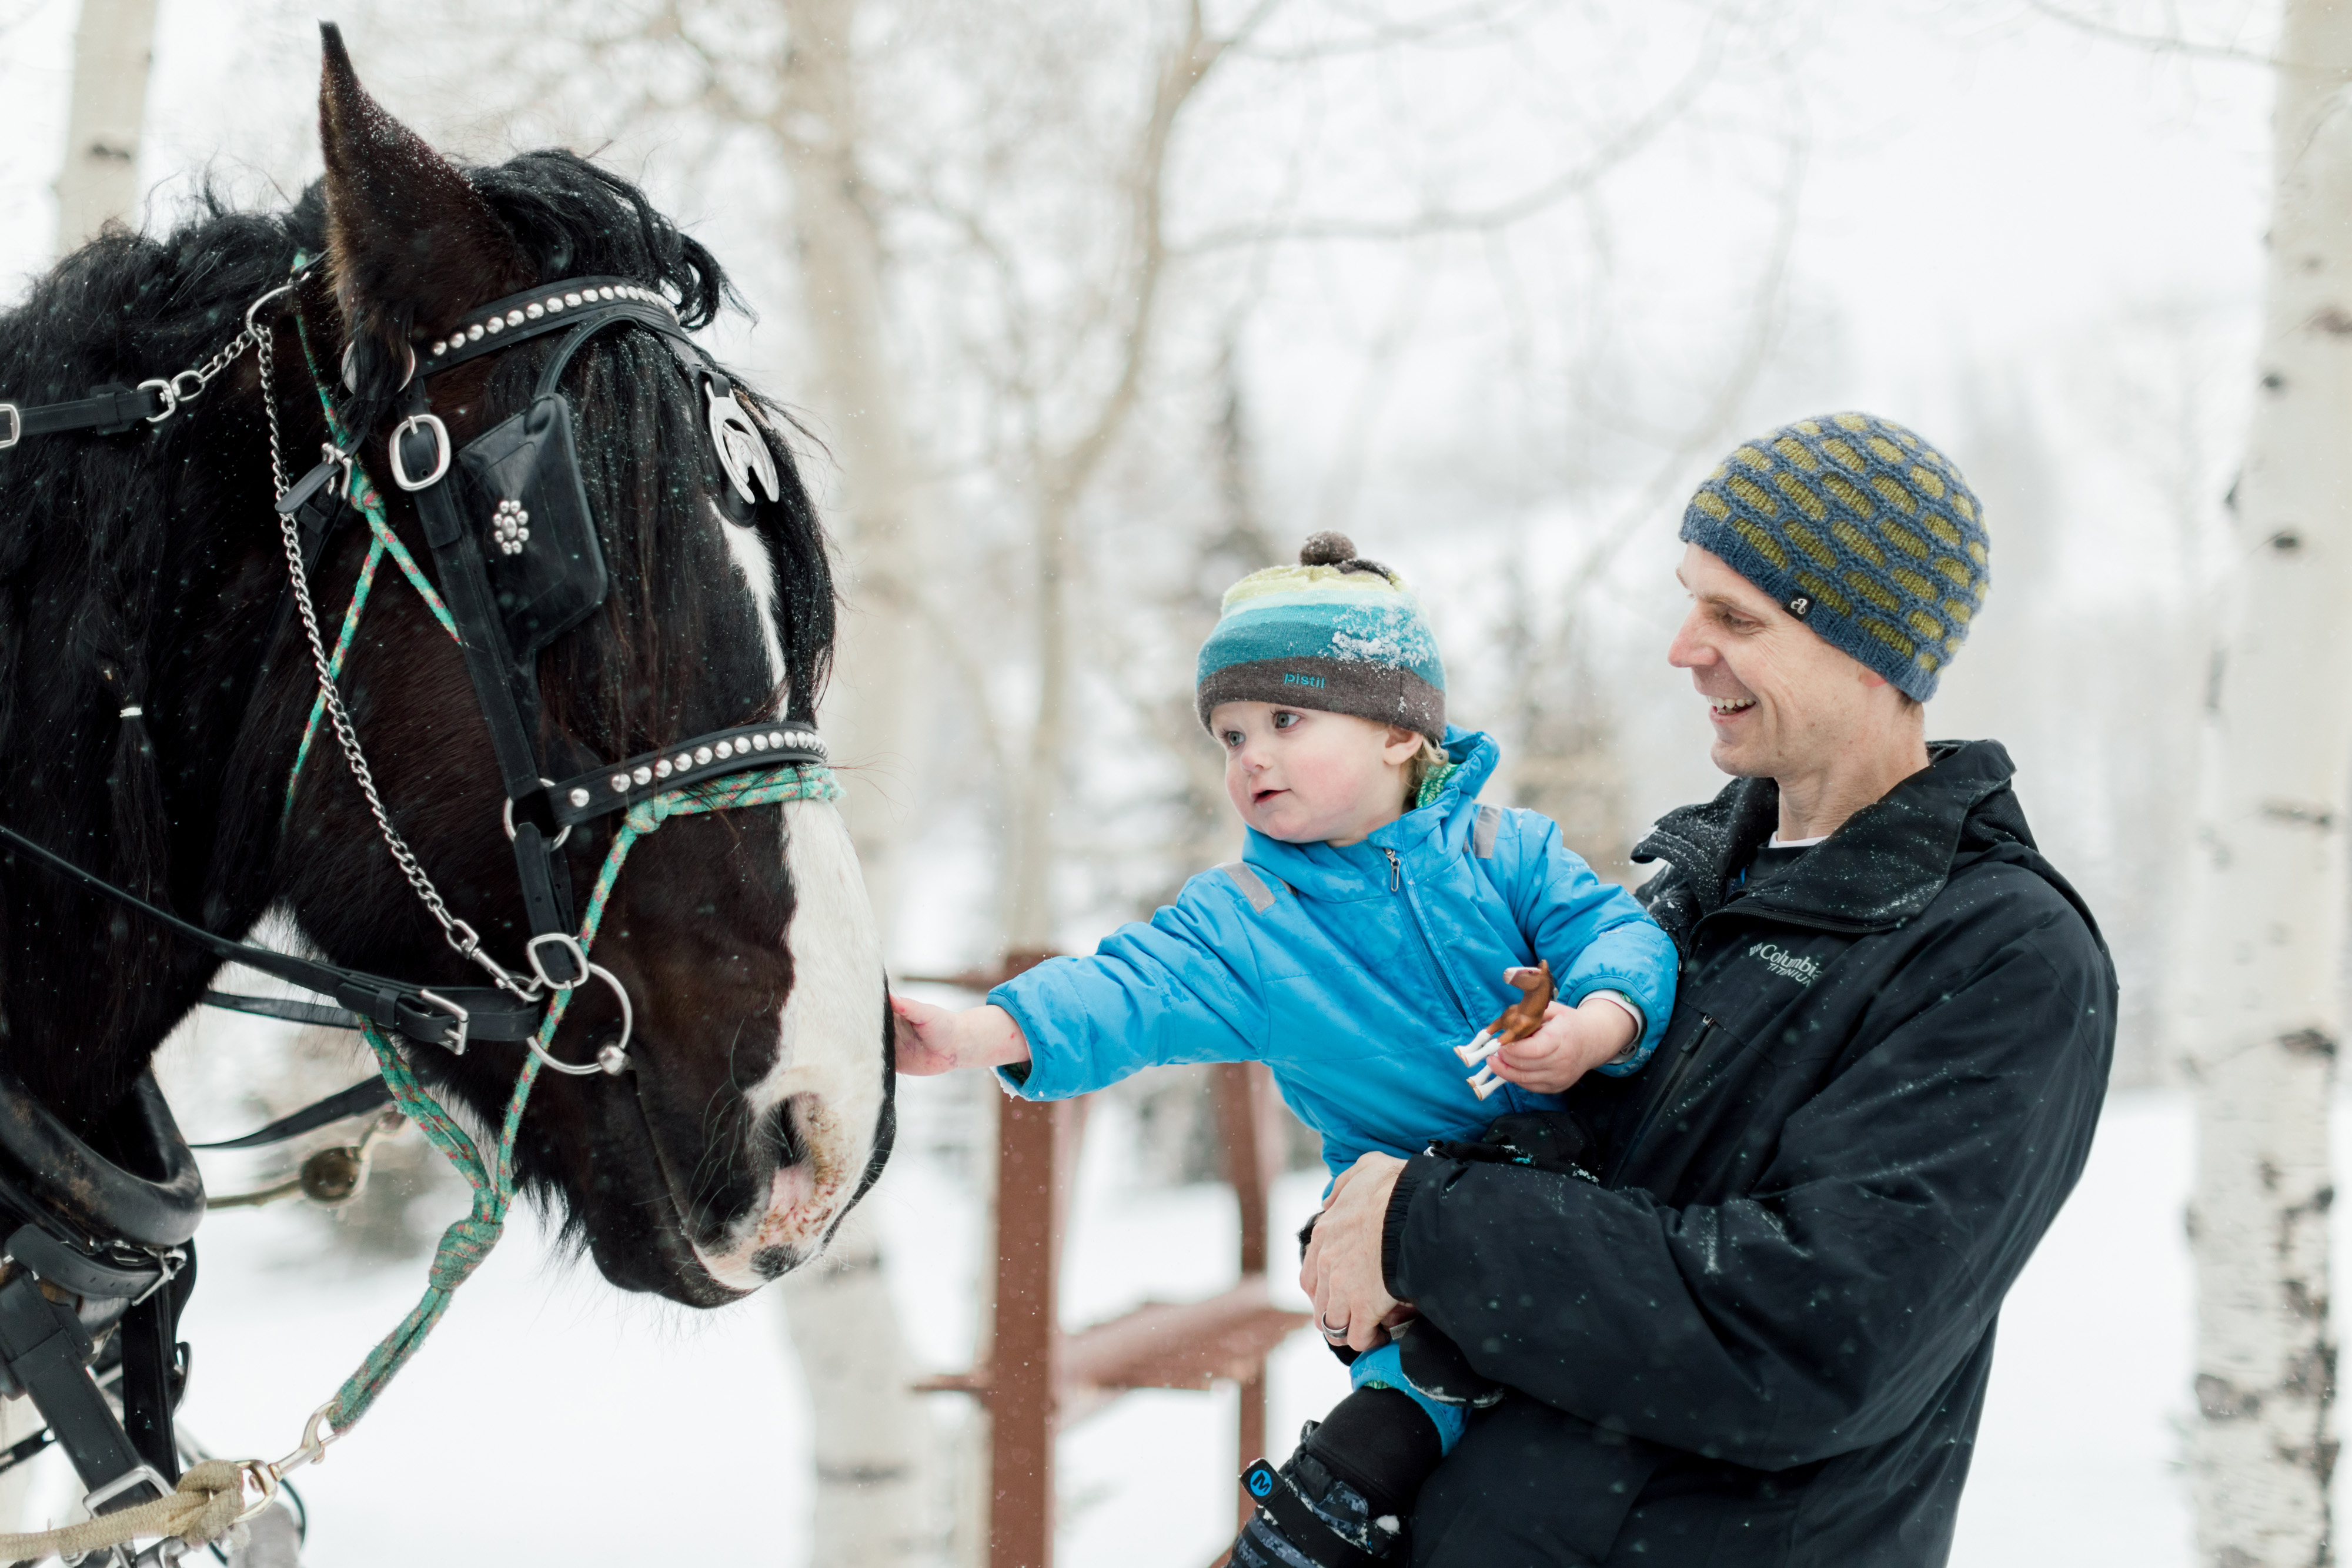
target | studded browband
[
  {"x": 504, "y": 322},
  {"x": 714, "y": 756}
]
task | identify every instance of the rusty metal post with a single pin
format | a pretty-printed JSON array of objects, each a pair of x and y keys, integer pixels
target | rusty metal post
[
  {"x": 1249, "y": 1121},
  {"x": 1024, "y": 1369}
]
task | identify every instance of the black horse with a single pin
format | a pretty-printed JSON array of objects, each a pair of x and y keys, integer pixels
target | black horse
[{"x": 154, "y": 692}]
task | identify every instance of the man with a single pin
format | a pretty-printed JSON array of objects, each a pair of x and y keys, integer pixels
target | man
[{"x": 1743, "y": 1302}]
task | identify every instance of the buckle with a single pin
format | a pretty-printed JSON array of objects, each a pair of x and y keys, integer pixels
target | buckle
[
  {"x": 15, "y": 426},
  {"x": 554, "y": 843},
  {"x": 571, "y": 946},
  {"x": 138, "y": 1475},
  {"x": 456, "y": 1039},
  {"x": 414, "y": 423}
]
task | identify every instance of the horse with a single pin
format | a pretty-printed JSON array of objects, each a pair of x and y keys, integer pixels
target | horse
[{"x": 155, "y": 692}]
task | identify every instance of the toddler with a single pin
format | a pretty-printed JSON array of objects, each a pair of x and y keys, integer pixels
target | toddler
[{"x": 1371, "y": 927}]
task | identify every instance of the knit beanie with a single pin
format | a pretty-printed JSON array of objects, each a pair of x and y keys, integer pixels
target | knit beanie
[
  {"x": 1860, "y": 530},
  {"x": 1336, "y": 633}
]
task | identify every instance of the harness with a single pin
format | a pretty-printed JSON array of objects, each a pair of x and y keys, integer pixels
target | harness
[{"x": 516, "y": 550}]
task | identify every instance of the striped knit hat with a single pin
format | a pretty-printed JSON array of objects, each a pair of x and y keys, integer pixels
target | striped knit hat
[
  {"x": 1336, "y": 633},
  {"x": 1860, "y": 530}
]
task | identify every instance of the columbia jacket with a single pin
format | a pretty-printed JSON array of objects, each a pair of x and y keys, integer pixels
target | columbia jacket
[
  {"x": 1761, "y": 1335},
  {"x": 1353, "y": 972}
]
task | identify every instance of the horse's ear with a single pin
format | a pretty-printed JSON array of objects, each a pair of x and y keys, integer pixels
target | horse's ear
[{"x": 412, "y": 243}]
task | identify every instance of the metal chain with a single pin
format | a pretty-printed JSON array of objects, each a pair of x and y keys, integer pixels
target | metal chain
[
  {"x": 458, "y": 934},
  {"x": 253, "y": 337}
]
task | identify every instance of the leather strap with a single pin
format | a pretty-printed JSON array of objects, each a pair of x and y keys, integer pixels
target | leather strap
[
  {"x": 445, "y": 1016},
  {"x": 109, "y": 410},
  {"x": 466, "y": 586},
  {"x": 368, "y": 1094}
]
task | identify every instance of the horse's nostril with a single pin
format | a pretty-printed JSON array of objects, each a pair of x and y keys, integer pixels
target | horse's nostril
[{"x": 784, "y": 1136}]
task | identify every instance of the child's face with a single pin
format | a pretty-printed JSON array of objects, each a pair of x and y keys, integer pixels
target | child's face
[{"x": 1305, "y": 777}]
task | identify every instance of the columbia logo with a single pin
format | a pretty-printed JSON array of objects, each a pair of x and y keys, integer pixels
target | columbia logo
[
  {"x": 1302, "y": 680},
  {"x": 1785, "y": 963}
]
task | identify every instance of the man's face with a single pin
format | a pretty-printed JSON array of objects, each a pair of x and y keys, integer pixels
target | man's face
[{"x": 1783, "y": 702}]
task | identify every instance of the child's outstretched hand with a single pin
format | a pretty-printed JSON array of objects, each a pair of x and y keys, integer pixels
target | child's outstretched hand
[
  {"x": 932, "y": 1039},
  {"x": 1572, "y": 1043}
]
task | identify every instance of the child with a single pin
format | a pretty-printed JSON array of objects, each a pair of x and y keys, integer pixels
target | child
[{"x": 1366, "y": 933}]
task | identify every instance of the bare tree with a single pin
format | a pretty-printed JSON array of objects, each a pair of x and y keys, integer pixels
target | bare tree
[
  {"x": 2272, "y": 890},
  {"x": 100, "y": 181}
]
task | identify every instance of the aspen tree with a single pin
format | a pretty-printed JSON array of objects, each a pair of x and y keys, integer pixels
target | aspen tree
[
  {"x": 2271, "y": 868},
  {"x": 100, "y": 181}
]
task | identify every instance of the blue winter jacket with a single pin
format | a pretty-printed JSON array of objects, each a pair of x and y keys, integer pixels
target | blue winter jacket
[{"x": 1353, "y": 972}]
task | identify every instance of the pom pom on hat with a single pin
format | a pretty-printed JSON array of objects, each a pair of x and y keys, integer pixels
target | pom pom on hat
[{"x": 1334, "y": 549}]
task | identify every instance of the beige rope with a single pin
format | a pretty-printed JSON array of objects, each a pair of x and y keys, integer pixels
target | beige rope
[{"x": 210, "y": 1500}]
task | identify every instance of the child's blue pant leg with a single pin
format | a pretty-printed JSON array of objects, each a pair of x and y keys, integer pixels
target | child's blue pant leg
[{"x": 1384, "y": 1368}]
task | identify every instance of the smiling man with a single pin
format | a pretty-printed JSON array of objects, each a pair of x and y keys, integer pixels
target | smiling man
[{"x": 1745, "y": 1300}]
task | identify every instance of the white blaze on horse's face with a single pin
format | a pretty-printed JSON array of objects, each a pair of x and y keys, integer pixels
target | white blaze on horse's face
[{"x": 827, "y": 1075}]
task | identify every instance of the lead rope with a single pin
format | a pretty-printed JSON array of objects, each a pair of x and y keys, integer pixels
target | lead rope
[{"x": 210, "y": 1501}]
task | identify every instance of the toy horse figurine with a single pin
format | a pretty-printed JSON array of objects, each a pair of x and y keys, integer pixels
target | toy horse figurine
[{"x": 1517, "y": 1021}]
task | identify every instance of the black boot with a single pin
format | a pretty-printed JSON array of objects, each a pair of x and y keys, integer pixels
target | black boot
[
  {"x": 1340, "y": 1501},
  {"x": 1309, "y": 1518}
]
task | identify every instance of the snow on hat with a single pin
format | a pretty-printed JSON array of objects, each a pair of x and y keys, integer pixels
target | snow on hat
[
  {"x": 1336, "y": 633},
  {"x": 1860, "y": 530}
]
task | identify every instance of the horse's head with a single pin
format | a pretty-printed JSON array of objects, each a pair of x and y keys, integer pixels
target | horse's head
[{"x": 757, "y": 1107}]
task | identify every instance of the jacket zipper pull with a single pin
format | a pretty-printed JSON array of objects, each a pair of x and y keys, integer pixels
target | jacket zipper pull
[{"x": 1396, "y": 872}]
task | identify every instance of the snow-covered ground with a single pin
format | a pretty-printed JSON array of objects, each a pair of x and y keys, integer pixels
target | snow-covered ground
[{"x": 554, "y": 1419}]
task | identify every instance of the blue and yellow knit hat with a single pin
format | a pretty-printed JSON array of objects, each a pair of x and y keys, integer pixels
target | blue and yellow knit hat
[
  {"x": 1336, "y": 633},
  {"x": 1860, "y": 530}
]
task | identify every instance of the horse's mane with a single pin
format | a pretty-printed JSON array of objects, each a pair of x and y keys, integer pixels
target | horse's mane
[{"x": 111, "y": 547}]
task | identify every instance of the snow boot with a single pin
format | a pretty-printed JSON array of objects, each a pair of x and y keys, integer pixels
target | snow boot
[{"x": 1341, "y": 1500}]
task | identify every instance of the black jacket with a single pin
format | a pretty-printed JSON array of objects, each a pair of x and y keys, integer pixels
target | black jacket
[{"x": 1762, "y": 1335}]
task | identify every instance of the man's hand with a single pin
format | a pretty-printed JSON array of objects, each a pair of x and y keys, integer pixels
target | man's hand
[
  {"x": 1572, "y": 1043},
  {"x": 1342, "y": 1268},
  {"x": 932, "y": 1039}
]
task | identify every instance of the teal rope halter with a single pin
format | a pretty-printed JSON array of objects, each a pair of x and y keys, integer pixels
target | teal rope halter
[{"x": 467, "y": 1241}]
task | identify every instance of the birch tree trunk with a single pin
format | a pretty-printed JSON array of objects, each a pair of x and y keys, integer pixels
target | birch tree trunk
[
  {"x": 100, "y": 177},
  {"x": 872, "y": 714},
  {"x": 870, "y": 1431},
  {"x": 871, "y": 1507},
  {"x": 2272, "y": 891}
]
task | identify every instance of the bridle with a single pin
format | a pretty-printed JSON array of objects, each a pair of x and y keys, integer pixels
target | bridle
[
  {"x": 508, "y": 526},
  {"x": 507, "y": 523}
]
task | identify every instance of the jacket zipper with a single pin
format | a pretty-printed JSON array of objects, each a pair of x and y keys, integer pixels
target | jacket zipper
[
  {"x": 1413, "y": 913},
  {"x": 1658, "y": 1107}
]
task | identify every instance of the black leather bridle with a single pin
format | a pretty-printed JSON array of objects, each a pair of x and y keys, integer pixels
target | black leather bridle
[{"x": 507, "y": 523}]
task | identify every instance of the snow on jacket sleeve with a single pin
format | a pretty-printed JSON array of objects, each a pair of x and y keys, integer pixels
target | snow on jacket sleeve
[
  {"x": 1596, "y": 936},
  {"x": 1820, "y": 1314},
  {"x": 1182, "y": 987}
]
